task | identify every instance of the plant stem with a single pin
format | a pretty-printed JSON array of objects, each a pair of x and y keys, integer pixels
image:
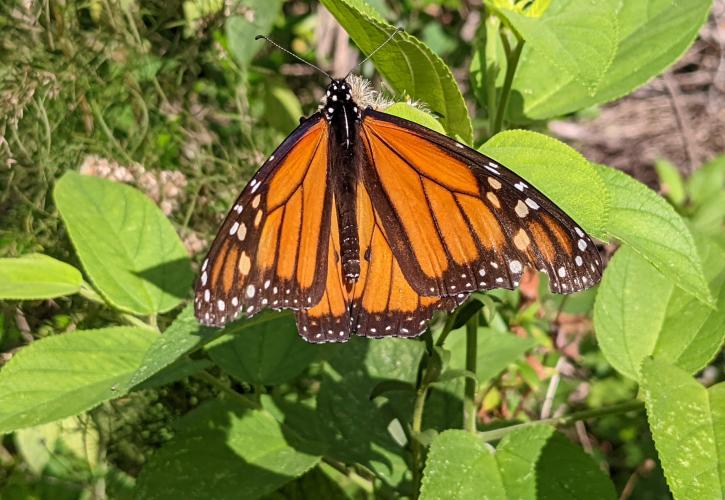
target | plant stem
[
  {"x": 625, "y": 407},
  {"x": 356, "y": 478},
  {"x": 512, "y": 61},
  {"x": 416, "y": 447},
  {"x": 239, "y": 398},
  {"x": 492, "y": 66},
  {"x": 469, "y": 392}
]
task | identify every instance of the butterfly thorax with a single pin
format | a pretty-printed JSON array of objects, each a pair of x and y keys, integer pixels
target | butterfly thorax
[{"x": 343, "y": 115}]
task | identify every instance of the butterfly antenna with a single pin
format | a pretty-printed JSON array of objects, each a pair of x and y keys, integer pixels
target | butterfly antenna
[
  {"x": 270, "y": 41},
  {"x": 390, "y": 37}
]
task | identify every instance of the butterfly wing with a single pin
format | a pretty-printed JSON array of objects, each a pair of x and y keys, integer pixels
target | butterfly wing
[
  {"x": 381, "y": 302},
  {"x": 268, "y": 252},
  {"x": 458, "y": 221}
]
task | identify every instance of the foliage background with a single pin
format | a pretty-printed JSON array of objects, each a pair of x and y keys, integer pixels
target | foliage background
[{"x": 169, "y": 97}]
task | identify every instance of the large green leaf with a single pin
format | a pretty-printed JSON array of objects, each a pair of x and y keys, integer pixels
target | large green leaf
[
  {"x": 407, "y": 64},
  {"x": 267, "y": 353},
  {"x": 576, "y": 37},
  {"x": 530, "y": 463},
  {"x": 461, "y": 466},
  {"x": 37, "y": 276},
  {"x": 126, "y": 245},
  {"x": 558, "y": 171},
  {"x": 688, "y": 426},
  {"x": 646, "y": 222},
  {"x": 250, "y": 18},
  {"x": 184, "y": 335},
  {"x": 63, "y": 375},
  {"x": 651, "y": 35},
  {"x": 223, "y": 452},
  {"x": 639, "y": 313}
]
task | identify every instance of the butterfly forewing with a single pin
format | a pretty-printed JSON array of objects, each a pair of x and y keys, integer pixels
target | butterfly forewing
[
  {"x": 267, "y": 252},
  {"x": 462, "y": 222}
]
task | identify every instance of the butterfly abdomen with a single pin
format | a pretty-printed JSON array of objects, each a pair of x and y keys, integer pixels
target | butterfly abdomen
[{"x": 343, "y": 115}]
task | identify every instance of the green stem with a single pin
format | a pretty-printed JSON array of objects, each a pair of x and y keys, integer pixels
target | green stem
[
  {"x": 416, "y": 447},
  {"x": 353, "y": 476},
  {"x": 213, "y": 381},
  {"x": 469, "y": 392},
  {"x": 493, "y": 24},
  {"x": 625, "y": 407},
  {"x": 512, "y": 61}
]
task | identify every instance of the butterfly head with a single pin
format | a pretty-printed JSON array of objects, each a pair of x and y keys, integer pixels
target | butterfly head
[{"x": 337, "y": 98}]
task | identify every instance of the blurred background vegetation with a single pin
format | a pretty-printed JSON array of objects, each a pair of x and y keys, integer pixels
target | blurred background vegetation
[{"x": 178, "y": 99}]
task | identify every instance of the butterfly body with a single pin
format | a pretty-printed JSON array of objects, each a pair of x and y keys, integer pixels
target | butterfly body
[
  {"x": 365, "y": 223},
  {"x": 343, "y": 115}
]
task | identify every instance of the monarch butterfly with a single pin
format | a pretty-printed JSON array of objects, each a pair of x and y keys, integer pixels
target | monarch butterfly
[{"x": 366, "y": 223}]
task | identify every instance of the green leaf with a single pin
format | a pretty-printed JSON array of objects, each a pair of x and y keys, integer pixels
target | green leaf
[
  {"x": 268, "y": 353},
  {"x": 126, "y": 245},
  {"x": 518, "y": 454},
  {"x": 652, "y": 34},
  {"x": 688, "y": 426},
  {"x": 461, "y": 466},
  {"x": 184, "y": 335},
  {"x": 66, "y": 374},
  {"x": 558, "y": 171},
  {"x": 530, "y": 463},
  {"x": 638, "y": 312},
  {"x": 221, "y": 451},
  {"x": 251, "y": 18},
  {"x": 673, "y": 186},
  {"x": 183, "y": 368},
  {"x": 407, "y": 64},
  {"x": 646, "y": 222},
  {"x": 417, "y": 115},
  {"x": 579, "y": 39},
  {"x": 37, "y": 276},
  {"x": 564, "y": 470}
]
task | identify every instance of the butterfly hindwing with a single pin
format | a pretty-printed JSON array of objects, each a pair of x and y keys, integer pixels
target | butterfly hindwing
[
  {"x": 460, "y": 221},
  {"x": 381, "y": 302},
  {"x": 268, "y": 252}
]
